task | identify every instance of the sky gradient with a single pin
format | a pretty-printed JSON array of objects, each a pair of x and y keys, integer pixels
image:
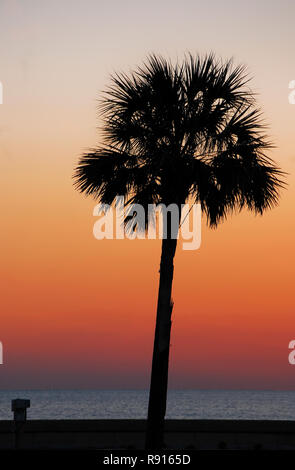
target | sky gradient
[{"x": 79, "y": 313}]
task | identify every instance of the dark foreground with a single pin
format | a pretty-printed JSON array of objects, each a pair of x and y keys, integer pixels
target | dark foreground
[{"x": 128, "y": 435}]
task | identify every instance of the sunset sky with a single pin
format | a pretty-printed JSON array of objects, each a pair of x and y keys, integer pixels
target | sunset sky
[{"x": 79, "y": 313}]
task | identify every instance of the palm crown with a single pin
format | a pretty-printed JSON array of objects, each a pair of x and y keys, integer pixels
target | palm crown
[{"x": 172, "y": 133}]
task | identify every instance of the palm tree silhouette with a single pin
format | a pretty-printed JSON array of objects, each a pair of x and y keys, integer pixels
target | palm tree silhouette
[{"x": 173, "y": 134}]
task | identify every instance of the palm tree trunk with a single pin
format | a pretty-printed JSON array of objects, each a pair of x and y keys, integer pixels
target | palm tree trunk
[{"x": 159, "y": 375}]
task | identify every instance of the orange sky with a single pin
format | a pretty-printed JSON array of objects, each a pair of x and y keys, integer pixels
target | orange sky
[{"x": 79, "y": 313}]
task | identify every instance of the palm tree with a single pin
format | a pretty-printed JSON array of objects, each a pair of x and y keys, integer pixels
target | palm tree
[{"x": 173, "y": 134}]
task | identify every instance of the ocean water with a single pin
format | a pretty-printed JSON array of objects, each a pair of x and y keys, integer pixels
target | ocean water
[{"x": 181, "y": 404}]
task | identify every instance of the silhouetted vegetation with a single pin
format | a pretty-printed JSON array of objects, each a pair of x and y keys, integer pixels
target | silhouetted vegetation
[{"x": 173, "y": 134}]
